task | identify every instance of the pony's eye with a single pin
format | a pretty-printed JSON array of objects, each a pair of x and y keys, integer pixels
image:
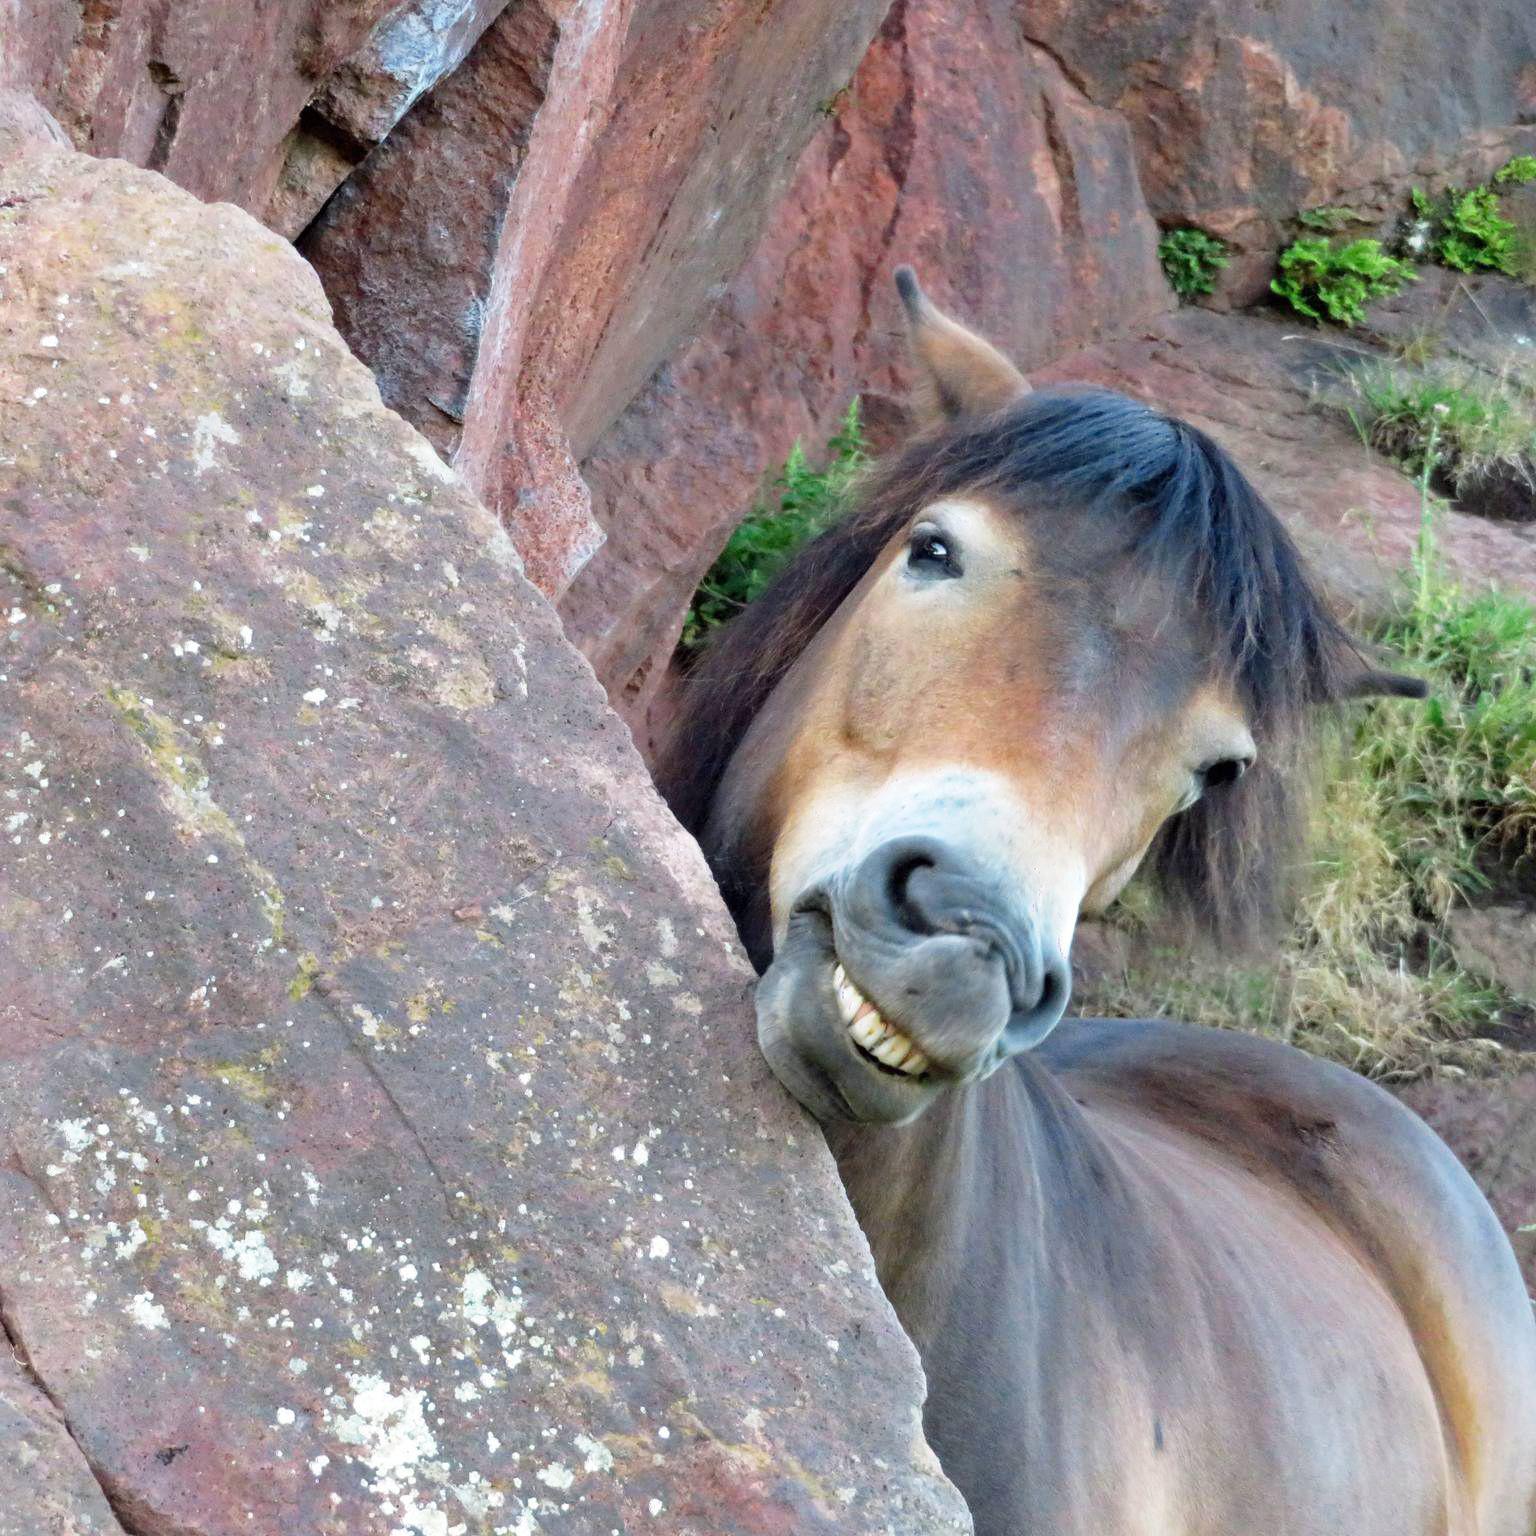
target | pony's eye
[
  {"x": 1225, "y": 770},
  {"x": 930, "y": 553}
]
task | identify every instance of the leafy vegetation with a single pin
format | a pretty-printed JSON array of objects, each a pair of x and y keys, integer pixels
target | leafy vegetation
[
  {"x": 1327, "y": 219},
  {"x": 1466, "y": 229},
  {"x": 1427, "y": 798},
  {"x": 1335, "y": 279},
  {"x": 1482, "y": 426},
  {"x": 1191, "y": 260},
  {"x": 1516, "y": 172},
  {"x": 808, "y": 500}
]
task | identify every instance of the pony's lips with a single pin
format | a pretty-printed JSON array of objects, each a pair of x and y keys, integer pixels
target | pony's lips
[
  {"x": 807, "y": 1010},
  {"x": 873, "y": 1036}
]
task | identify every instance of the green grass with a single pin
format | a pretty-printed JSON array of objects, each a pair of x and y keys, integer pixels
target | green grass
[
  {"x": 1516, "y": 171},
  {"x": 1191, "y": 261},
  {"x": 1324, "y": 278},
  {"x": 1482, "y": 425},
  {"x": 1425, "y": 797},
  {"x": 808, "y": 500}
]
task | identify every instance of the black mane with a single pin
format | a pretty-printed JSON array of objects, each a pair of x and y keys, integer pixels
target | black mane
[{"x": 1193, "y": 515}]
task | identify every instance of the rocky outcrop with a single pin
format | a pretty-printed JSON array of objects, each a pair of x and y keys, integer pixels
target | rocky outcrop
[
  {"x": 588, "y": 179},
  {"x": 383, "y": 1145},
  {"x": 1244, "y": 114}
]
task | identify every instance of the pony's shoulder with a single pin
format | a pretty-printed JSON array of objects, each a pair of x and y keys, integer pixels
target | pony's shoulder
[{"x": 1267, "y": 1102}]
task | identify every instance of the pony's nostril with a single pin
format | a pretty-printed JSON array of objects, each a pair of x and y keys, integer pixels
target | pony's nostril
[{"x": 906, "y": 903}]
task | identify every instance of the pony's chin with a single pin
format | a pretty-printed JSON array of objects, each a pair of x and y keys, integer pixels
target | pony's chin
[{"x": 806, "y": 1041}]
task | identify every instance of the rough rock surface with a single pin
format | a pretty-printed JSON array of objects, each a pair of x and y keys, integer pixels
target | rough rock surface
[
  {"x": 46, "y": 1487},
  {"x": 1246, "y": 113},
  {"x": 164, "y": 85},
  {"x": 383, "y": 1146},
  {"x": 588, "y": 178}
]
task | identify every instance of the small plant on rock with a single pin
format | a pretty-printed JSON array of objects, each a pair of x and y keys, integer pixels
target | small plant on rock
[
  {"x": 1516, "y": 171},
  {"x": 1191, "y": 259},
  {"x": 1322, "y": 278},
  {"x": 1467, "y": 229},
  {"x": 809, "y": 500}
]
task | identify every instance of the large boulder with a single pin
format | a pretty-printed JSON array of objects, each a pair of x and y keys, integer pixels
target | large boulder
[{"x": 383, "y": 1145}]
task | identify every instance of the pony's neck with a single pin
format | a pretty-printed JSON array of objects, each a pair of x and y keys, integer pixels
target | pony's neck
[{"x": 972, "y": 1199}]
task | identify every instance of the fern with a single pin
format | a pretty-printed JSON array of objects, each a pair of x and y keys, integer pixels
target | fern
[
  {"x": 809, "y": 500},
  {"x": 1322, "y": 278}
]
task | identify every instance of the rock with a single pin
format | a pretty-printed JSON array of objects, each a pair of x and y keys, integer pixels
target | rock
[
  {"x": 957, "y": 146},
  {"x": 162, "y": 84},
  {"x": 1498, "y": 943},
  {"x": 1489, "y": 1121},
  {"x": 46, "y": 1485},
  {"x": 411, "y": 49},
  {"x": 1244, "y": 114},
  {"x": 589, "y": 177},
  {"x": 1483, "y": 319},
  {"x": 383, "y": 1143},
  {"x": 24, "y": 125}
]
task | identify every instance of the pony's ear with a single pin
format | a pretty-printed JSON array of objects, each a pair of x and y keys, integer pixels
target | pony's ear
[
  {"x": 1371, "y": 684},
  {"x": 960, "y": 375}
]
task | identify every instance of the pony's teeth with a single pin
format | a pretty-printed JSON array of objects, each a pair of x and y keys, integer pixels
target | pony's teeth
[
  {"x": 888, "y": 1046},
  {"x": 868, "y": 1029}
]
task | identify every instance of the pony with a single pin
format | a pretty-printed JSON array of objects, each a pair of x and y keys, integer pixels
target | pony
[{"x": 1163, "y": 1280}]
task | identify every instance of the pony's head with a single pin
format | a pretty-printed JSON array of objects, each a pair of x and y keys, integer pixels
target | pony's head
[{"x": 1056, "y": 633}]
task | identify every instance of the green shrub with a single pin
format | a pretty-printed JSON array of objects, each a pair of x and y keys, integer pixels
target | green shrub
[
  {"x": 1468, "y": 230},
  {"x": 1333, "y": 279},
  {"x": 1516, "y": 172},
  {"x": 809, "y": 499},
  {"x": 1191, "y": 259}
]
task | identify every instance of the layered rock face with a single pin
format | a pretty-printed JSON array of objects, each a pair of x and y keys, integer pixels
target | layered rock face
[{"x": 383, "y": 1143}]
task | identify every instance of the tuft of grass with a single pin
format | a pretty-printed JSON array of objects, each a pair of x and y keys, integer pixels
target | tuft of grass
[
  {"x": 1191, "y": 261},
  {"x": 1482, "y": 425},
  {"x": 1425, "y": 795},
  {"x": 1323, "y": 278},
  {"x": 809, "y": 500}
]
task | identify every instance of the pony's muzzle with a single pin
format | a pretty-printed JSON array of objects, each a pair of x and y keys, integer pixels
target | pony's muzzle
[{"x": 948, "y": 954}]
